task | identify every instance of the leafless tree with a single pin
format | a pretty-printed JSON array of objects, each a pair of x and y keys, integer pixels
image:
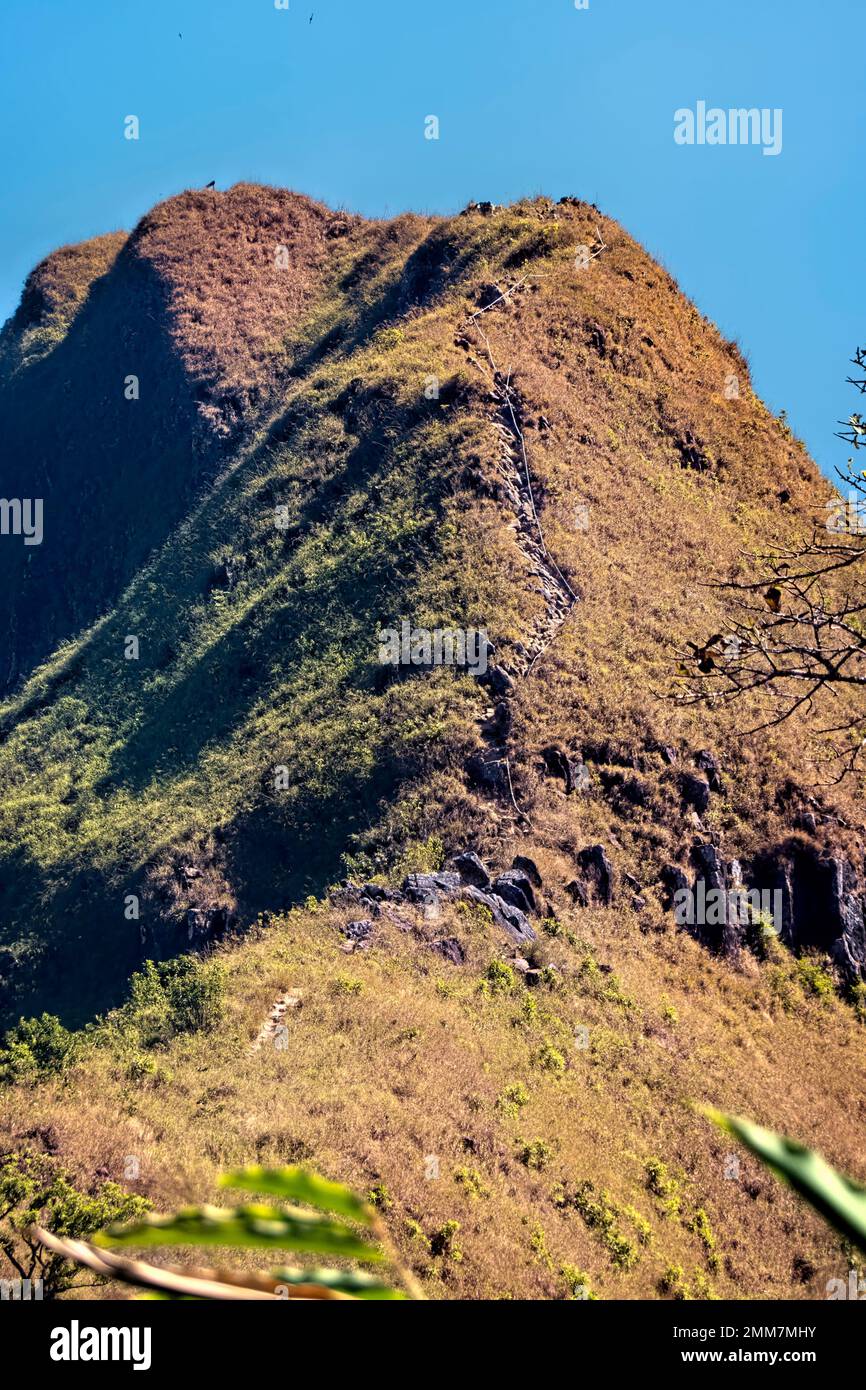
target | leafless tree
[{"x": 797, "y": 632}]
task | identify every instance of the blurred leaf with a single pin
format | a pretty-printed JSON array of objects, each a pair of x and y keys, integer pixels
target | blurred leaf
[
  {"x": 256, "y": 1226},
  {"x": 349, "y": 1281},
  {"x": 839, "y": 1199},
  {"x": 300, "y": 1185}
]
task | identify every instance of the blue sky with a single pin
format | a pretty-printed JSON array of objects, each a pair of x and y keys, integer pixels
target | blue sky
[{"x": 533, "y": 96}]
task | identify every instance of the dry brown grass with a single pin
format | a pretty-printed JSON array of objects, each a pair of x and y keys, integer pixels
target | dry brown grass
[{"x": 413, "y": 1064}]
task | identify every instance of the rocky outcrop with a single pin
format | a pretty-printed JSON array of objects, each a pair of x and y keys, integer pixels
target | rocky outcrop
[
  {"x": 510, "y": 898},
  {"x": 574, "y": 773},
  {"x": 428, "y": 888},
  {"x": 529, "y": 867},
  {"x": 822, "y": 902},
  {"x": 449, "y": 948},
  {"x": 471, "y": 869},
  {"x": 812, "y": 897},
  {"x": 515, "y": 887},
  {"x": 511, "y": 919},
  {"x": 206, "y": 924},
  {"x": 595, "y": 877},
  {"x": 708, "y": 763},
  {"x": 695, "y": 792},
  {"x": 359, "y": 931},
  {"x": 673, "y": 880}
]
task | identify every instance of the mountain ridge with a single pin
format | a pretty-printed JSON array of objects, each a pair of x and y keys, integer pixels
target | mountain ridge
[{"x": 509, "y": 421}]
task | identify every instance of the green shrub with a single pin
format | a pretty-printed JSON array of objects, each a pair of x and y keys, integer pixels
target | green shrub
[
  {"x": 538, "y": 1246},
  {"x": 699, "y": 1224},
  {"x": 673, "y": 1282},
  {"x": 442, "y": 1242},
  {"x": 640, "y": 1223},
  {"x": 186, "y": 995},
  {"x": 813, "y": 977},
  {"x": 600, "y": 1214},
  {"x": 500, "y": 978},
  {"x": 471, "y": 1181},
  {"x": 420, "y": 857},
  {"x": 140, "y": 1068},
  {"x": 703, "y": 1288},
  {"x": 577, "y": 1283},
  {"x": 663, "y": 1185},
  {"x": 513, "y": 1098},
  {"x": 34, "y": 1048},
  {"x": 529, "y": 1012},
  {"x": 550, "y": 1059},
  {"x": 34, "y": 1189},
  {"x": 415, "y": 1232},
  {"x": 535, "y": 1153},
  {"x": 346, "y": 984},
  {"x": 144, "y": 1068}
]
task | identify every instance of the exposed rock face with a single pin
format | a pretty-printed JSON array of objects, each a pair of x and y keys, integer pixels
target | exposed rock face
[
  {"x": 673, "y": 880},
  {"x": 708, "y": 763},
  {"x": 205, "y": 924},
  {"x": 815, "y": 898},
  {"x": 718, "y": 926},
  {"x": 488, "y": 773},
  {"x": 574, "y": 773},
  {"x": 426, "y": 888},
  {"x": 822, "y": 902},
  {"x": 515, "y": 887},
  {"x": 359, "y": 931},
  {"x": 506, "y": 916},
  {"x": 695, "y": 792},
  {"x": 449, "y": 948},
  {"x": 471, "y": 869},
  {"x": 528, "y": 867},
  {"x": 578, "y": 893},
  {"x": 368, "y": 896},
  {"x": 596, "y": 875},
  {"x": 499, "y": 681},
  {"x": 508, "y": 900}
]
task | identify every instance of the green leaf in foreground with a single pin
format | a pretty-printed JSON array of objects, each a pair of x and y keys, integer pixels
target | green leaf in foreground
[
  {"x": 839, "y": 1199},
  {"x": 248, "y": 1226},
  {"x": 300, "y": 1185},
  {"x": 350, "y": 1281}
]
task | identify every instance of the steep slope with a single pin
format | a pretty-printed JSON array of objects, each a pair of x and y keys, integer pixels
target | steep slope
[
  {"x": 509, "y": 420},
  {"x": 129, "y": 365},
  {"x": 360, "y": 497}
]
